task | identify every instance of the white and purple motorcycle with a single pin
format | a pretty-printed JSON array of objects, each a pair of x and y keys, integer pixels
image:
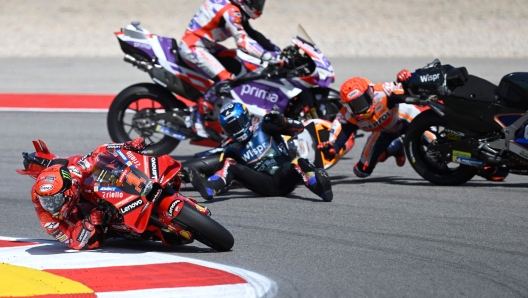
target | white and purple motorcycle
[{"x": 162, "y": 112}]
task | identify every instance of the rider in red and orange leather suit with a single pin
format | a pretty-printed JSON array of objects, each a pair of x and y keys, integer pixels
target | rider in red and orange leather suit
[{"x": 387, "y": 118}]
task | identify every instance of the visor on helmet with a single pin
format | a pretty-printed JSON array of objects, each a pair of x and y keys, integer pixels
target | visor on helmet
[
  {"x": 237, "y": 126},
  {"x": 361, "y": 104},
  {"x": 257, "y": 5},
  {"x": 52, "y": 204}
]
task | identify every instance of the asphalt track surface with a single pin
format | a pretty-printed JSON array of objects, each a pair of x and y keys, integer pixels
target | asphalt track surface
[{"x": 390, "y": 235}]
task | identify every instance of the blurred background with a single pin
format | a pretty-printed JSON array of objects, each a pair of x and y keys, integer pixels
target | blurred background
[{"x": 341, "y": 28}]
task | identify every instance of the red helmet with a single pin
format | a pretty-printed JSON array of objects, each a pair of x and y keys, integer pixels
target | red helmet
[
  {"x": 253, "y": 8},
  {"x": 56, "y": 192},
  {"x": 357, "y": 94}
]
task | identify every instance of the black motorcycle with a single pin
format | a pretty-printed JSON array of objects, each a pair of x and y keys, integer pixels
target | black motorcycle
[{"x": 470, "y": 126}]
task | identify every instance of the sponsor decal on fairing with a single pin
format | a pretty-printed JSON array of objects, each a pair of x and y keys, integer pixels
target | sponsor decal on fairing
[
  {"x": 173, "y": 207},
  {"x": 114, "y": 146},
  {"x": 259, "y": 93},
  {"x": 125, "y": 159},
  {"x": 130, "y": 207},
  {"x": 133, "y": 158},
  {"x": 112, "y": 195},
  {"x": 429, "y": 78},
  {"x": 108, "y": 188},
  {"x": 142, "y": 46},
  {"x": 154, "y": 173}
]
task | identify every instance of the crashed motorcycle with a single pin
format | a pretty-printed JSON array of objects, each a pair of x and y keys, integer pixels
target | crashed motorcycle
[
  {"x": 163, "y": 112},
  {"x": 139, "y": 196},
  {"x": 471, "y": 125}
]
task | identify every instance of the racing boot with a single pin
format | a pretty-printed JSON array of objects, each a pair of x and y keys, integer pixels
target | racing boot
[
  {"x": 198, "y": 126},
  {"x": 360, "y": 170},
  {"x": 394, "y": 149},
  {"x": 316, "y": 179},
  {"x": 203, "y": 107},
  {"x": 215, "y": 184},
  {"x": 493, "y": 173}
]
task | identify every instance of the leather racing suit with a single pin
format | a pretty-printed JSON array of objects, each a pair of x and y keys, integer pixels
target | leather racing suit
[
  {"x": 215, "y": 21},
  {"x": 263, "y": 164},
  {"x": 387, "y": 119},
  {"x": 75, "y": 231}
]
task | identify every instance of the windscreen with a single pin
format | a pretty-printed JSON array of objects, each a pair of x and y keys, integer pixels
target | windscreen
[
  {"x": 111, "y": 171},
  {"x": 302, "y": 34}
]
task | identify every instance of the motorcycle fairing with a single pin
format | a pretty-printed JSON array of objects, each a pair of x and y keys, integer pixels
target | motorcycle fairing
[
  {"x": 128, "y": 184},
  {"x": 168, "y": 169},
  {"x": 153, "y": 47},
  {"x": 261, "y": 96},
  {"x": 324, "y": 74},
  {"x": 319, "y": 132}
]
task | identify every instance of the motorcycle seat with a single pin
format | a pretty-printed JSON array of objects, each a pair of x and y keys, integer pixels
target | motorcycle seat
[{"x": 476, "y": 88}]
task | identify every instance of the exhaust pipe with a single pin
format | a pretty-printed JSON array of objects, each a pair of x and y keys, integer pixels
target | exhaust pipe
[{"x": 143, "y": 65}]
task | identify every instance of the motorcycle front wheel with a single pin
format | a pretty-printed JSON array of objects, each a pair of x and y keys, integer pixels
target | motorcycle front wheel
[
  {"x": 426, "y": 129},
  {"x": 132, "y": 115},
  {"x": 204, "y": 228}
]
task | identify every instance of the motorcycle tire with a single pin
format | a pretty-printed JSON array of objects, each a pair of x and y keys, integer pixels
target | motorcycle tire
[
  {"x": 436, "y": 172},
  {"x": 204, "y": 228},
  {"x": 332, "y": 105},
  {"x": 130, "y": 99}
]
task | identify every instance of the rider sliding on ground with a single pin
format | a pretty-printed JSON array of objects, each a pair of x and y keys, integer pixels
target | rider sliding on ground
[{"x": 257, "y": 157}]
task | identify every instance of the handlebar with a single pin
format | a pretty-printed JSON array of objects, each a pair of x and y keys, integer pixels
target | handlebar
[{"x": 431, "y": 101}]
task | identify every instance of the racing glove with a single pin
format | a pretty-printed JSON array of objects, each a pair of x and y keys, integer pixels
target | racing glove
[
  {"x": 96, "y": 217},
  {"x": 328, "y": 149},
  {"x": 137, "y": 145},
  {"x": 403, "y": 76},
  {"x": 279, "y": 60},
  {"x": 276, "y": 118},
  {"x": 204, "y": 107},
  {"x": 223, "y": 87}
]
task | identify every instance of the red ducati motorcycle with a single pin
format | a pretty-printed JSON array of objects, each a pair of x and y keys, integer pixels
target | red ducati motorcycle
[{"x": 140, "y": 197}]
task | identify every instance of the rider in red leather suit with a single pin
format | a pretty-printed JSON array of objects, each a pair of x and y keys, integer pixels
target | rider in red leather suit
[{"x": 56, "y": 196}]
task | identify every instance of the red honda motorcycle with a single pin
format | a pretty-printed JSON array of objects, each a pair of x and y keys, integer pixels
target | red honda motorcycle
[{"x": 139, "y": 195}]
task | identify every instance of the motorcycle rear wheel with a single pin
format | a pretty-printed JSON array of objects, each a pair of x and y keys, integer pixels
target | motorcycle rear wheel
[
  {"x": 205, "y": 229},
  {"x": 133, "y": 107},
  {"x": 423, "y": 160}
]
